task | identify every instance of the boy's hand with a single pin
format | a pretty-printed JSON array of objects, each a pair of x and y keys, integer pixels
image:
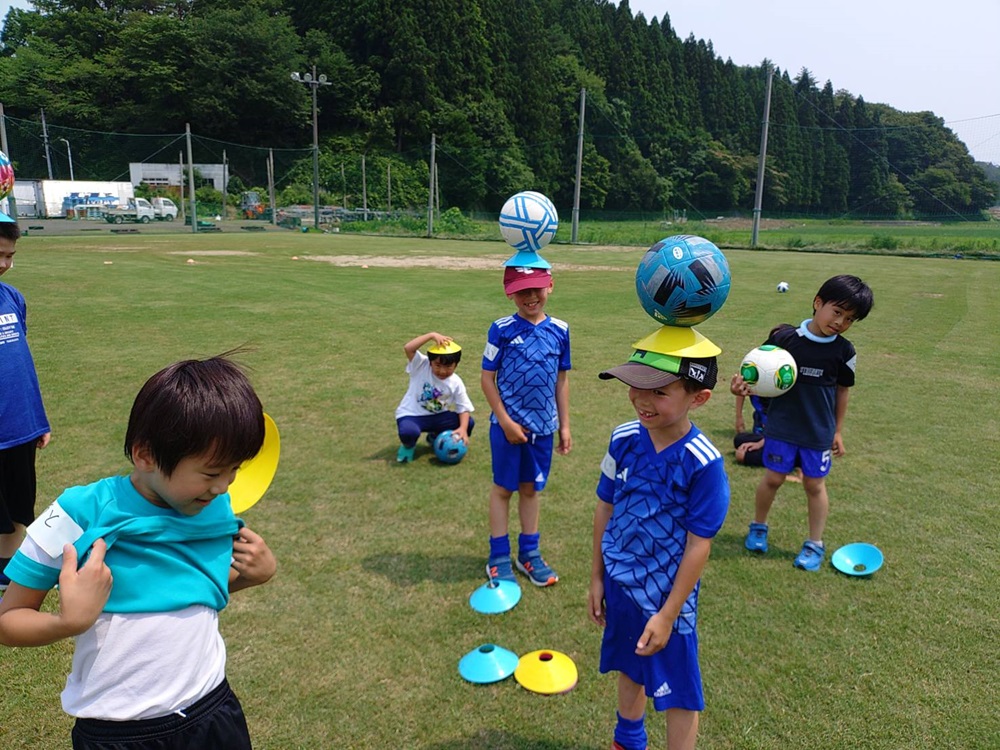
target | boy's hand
[
  {"x": 44, "y": 440},
  {"x": 838, "y": 445},
  {"x": 253, "y": 560},
  {"x": 459, "y": 434},
  {"x": 565, "y": 444},
  {"x": 655, "y": 636},
  {"x": 595, "y": 602},
  {"x": 84, "y": 592},
  {"x": 738, "y": 386},
  {"x": 439, "y": 338},
  {"x": 741, "y": 426},
  {"x": 515, "y": 433}
]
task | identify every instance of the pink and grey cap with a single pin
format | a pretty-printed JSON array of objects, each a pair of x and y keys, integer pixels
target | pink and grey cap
[
  {"x": 519, "y": 278},
  {"x": 651, "y": 370}
]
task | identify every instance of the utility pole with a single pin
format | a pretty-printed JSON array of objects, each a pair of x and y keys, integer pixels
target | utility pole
[
  {"x": 430, "y": 191},
  {"x": 194, "y": 205},
  {"x": 579, "y": 168},
  {"x": 759, "y": 195},
  {"x": 45, "y": 141}
]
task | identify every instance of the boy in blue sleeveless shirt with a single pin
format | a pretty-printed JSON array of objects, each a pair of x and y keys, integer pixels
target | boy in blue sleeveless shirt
[
  {"x": 23, "y": 425},
  {"x": 804, "y": 425},
  {"x": 149, "y": 662},
  {"x": 662, "y": 495},
  {"x": 525, "y": 380}
]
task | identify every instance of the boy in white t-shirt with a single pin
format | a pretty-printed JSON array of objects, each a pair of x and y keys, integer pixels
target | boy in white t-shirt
[{"x": 436, "y": 399}]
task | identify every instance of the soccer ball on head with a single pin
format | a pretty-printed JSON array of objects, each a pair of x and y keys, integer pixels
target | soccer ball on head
[
  {"x": 769, "y": 370},
  {"x": 448, "y": 448},
  {"x": 782, "y": 287},
  {"x": 6, "y": 176},
  {"x": 682, "y": 280},
  {"x": 528, "y": 221}
]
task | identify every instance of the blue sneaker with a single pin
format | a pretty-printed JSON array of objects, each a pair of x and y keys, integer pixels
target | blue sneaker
[
  {"x": 756, "y": 540},
  {"x": 533, "y": 566},
  {"x": 404, "y": 455},
  {"x": 499, "y": 569},
  {"x": 811, "y": 556}
]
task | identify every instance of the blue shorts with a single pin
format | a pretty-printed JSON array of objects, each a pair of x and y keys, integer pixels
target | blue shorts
[
  {"x": 783, "y": 457},
  {"x": 671, "y": 676},
  {"x": 514, "y": 465}
]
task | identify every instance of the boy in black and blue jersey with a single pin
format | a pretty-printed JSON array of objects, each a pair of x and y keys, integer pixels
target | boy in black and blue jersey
[{"x": 805, "y": 425}]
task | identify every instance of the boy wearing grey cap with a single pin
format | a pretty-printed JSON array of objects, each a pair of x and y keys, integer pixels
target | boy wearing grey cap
[{"x": 662, "y": 495}]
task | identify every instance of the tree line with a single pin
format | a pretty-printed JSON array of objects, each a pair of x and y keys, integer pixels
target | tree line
[{"x": 669, "y": 123}]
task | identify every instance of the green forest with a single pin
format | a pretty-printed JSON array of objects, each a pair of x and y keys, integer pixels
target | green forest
[{"x": 670, "y": 123}]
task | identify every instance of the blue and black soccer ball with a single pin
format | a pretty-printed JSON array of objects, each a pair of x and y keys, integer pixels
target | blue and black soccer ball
[
  {"x": 682, "y": 280},
  {"x": 448, "y": 448}
]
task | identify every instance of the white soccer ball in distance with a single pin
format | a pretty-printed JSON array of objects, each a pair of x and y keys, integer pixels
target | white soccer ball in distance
[{"x": 782, "y": 287}]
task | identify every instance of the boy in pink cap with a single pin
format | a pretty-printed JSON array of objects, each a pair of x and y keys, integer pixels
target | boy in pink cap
[{"x": 525, "y": 379}]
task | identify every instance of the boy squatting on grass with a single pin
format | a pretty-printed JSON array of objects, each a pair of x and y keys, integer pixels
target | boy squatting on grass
[
  {"x": 436, "y": 399},
  {"x": 23, "y": 425},
  {"x": 149, "y": 662},
  {"x": 804, "y": 426},
  {"x": 525, "y": 379},
  {"x": 662, "y": 495}
]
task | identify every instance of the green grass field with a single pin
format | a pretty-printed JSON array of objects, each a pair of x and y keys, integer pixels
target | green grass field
[{"x": 356, "y": 642}]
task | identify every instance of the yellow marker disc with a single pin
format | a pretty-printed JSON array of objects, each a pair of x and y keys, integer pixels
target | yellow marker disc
[
  {"x": 678, "y": 342},
  {"x": 450, "y": 348},
  {"x": 255, "y": 475},
  {"x": 546, "y": 672}
]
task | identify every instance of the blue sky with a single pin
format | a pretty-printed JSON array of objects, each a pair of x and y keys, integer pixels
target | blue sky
[{"x": 915, "y": 55}]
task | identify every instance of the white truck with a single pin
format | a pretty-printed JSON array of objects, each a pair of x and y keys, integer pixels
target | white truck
[{"x": 142, "y": 210}]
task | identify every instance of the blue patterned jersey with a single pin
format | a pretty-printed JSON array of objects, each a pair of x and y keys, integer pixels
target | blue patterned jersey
[
  {"x": 527, "y": 359},
  {"x": 658, "y": 498}
]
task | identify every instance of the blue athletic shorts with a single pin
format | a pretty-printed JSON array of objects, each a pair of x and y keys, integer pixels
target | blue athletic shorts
[
  {"x": 671, "y": 676},
  {"x": 514, "y": 465},
  {"x": 783, "y": 457}
]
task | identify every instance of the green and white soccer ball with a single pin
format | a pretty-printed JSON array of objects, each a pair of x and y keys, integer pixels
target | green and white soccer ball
[{"x": 769, "y": 371}]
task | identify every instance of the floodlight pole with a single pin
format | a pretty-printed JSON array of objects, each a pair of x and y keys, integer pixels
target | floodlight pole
[
  {"x": 313, "y": 81},
  {"x": 759, "y": 195},
  {"x": 69, "y": 155}
]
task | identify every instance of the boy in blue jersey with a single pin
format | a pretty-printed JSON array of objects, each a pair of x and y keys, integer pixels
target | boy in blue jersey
[
  {"x": 663, "y": 495},
  {"x": 23, "y": 425},
  {"x": 804, "y": 426},
  {"x": 525, "y": 380},
  {"x": 149, "y": 662}
]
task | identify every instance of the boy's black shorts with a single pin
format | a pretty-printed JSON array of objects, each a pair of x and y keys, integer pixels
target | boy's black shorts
[
  {"x": 216, "y": 721},
  {"x": 17, "y": 486}
]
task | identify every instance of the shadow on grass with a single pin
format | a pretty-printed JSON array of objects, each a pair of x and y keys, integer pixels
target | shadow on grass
[
  {"x": 727, "y": 546},
  {"x": 411, "y": 568},
  {"x": 499, "y": 740},
  {"x": 423, "y": 452}
]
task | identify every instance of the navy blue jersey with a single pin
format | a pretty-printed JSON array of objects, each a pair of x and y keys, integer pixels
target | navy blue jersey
[
  {"x": 806, "y": 415},
  {"x": 527, "y": 359},
  {"x": 658, "y": 498}
]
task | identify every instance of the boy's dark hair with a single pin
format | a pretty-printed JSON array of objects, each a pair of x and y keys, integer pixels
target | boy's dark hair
[
  {"x": 446, "y": 359},
  {"x": 9, "y": 230},
  {"x": 848, "y": 292},
  {"x": 197, "y": 407}
]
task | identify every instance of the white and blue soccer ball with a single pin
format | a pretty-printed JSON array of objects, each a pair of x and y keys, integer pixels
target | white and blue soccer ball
[
  {"x": 769, "y": 370},
  {"x": 782, "y": 287},
  {"x": 448, "y": 448},
  {"x": 528, "y": 221},
  {"x": 682, "y": 280}
]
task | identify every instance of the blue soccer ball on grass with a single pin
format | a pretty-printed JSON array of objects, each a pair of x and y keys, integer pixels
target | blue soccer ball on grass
[
  {"x": 449, "y": 449},
  {"x": 682, "y": 280}
]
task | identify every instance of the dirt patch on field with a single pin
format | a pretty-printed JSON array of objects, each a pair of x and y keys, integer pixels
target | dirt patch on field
[
  {"x": 213, "y": 252},
  {"x": 482, "y": 263}
]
